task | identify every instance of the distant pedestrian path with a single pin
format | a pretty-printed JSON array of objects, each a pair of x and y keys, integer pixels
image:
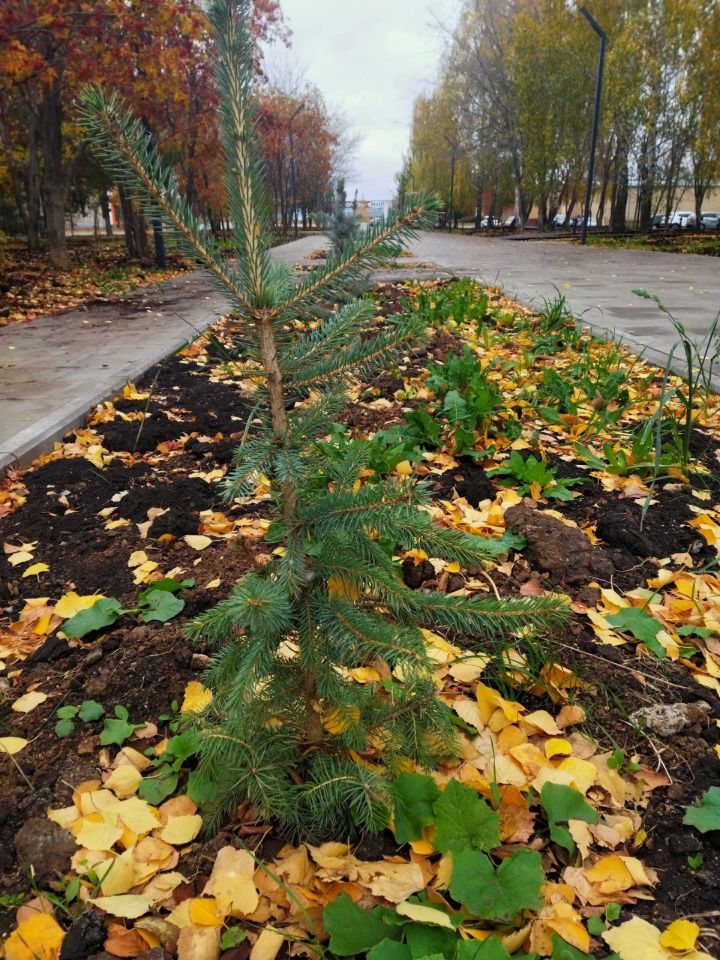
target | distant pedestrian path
[
  {"x": 597, "y": 282},
  {"x": 54, "y": 369}
]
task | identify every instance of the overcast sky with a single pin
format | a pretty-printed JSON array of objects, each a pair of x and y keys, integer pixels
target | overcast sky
[{"x": 370, "y": 59}]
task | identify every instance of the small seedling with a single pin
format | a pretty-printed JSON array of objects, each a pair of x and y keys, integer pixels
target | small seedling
[
  {"x": 534, "y": 477},
  {"x": 618, "y": 761},
  {"x": 695, "y": 861},
  {"x": 87, "y": 712},
  {"x": 116, "y": 730}
]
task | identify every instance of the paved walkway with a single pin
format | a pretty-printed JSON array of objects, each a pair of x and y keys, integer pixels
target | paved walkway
[
  {"x": 54, "y": 369},
  {"x": 597, "y": 282}
]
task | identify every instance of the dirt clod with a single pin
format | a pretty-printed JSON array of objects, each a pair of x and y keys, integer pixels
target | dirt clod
[
  {"x": 46, "y": 847},
  {"x": 86, "y": 936},
  {"x": 562, "y": 552}
]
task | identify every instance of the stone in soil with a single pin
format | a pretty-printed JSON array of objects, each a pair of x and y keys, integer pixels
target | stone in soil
[{"x": 667, "y": 719}]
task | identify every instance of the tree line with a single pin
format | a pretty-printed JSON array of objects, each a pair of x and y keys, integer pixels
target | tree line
[
  {"x": 510, "y": 115},
  {"x": 159, "y": 55}
]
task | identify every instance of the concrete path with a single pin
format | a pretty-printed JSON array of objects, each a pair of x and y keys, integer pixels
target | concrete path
[
  {"x": 53, "y": 370},
  {"x": 597, "y": 282}
]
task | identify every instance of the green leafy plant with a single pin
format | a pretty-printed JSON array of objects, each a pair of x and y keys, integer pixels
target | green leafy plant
[
  {"x": 695, "y": 861},
  {"x": 705, "y": 817},
  {"x": 157, "y": 603},
  {"x": 462, "y": 301},
  {"x": 534, "y": 476},
  {"x": 562, "y": 803},
  {"x": 620, "y": 460},
  {"x": 700, "y": 359},
  {"x": 87, "y": 712},
  {"x": 641, "y": 625},
  {"x": 618, "y": 761},
  {"x": 467, "y": 398},
  {"x": 600, "y": 923},
  {"x": 11, "y": 901},
  {"x": 116, "y": 730},
  {"x": 287, "y": 721}
]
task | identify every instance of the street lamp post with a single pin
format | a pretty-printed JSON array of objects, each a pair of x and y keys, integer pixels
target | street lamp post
[
  {"x": 596, "y": 117},
  {"x": 293, "y": 169}
]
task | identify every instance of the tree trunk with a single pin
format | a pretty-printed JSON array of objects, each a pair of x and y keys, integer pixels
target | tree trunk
[
  {"x": 54, "y": 202},
  {"x": 33, "y": 191},
  {"x": 134, "y": 226},
  {"x": 618, "y": 213},
  {"x": 478, "y": 206},
  {"x": 55, "y": 177},
  {"x": 105, "y": 207}
]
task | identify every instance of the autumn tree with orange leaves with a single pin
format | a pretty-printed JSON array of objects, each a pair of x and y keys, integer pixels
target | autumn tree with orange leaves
[{"x": 154, "y": 51}]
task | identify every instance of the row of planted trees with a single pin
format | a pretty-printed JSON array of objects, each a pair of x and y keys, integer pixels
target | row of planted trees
[
  {"x": 514, "y": 104},
  {"x": 159, "y": 55}
]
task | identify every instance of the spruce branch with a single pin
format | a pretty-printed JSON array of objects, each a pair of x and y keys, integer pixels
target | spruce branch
[{"x": 121, "y": 145}]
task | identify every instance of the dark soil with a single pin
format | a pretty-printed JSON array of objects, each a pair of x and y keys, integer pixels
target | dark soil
[
  {"x": 146, "y": 667},
  {"x": 469, "y": 480},
  {"x": 172, "y": 410}
]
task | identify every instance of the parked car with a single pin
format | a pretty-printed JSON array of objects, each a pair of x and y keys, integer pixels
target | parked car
[
  {"x": 559, "y": 220},
  {"x": 709, "y": 221},
  {"x": 511, "y": 221},
  {"x": 680, "y": 220},
  {"x": 490, "y": 222}
]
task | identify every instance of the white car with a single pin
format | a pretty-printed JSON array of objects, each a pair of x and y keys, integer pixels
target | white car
[
  {"x": 680, "y": 220},
  {"x": 710, "y": 221}
]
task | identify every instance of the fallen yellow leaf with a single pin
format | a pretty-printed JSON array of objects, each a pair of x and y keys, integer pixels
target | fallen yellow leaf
[
  {"x": 179, "y": 830},
  {"x": 37, "y": 938},
  {"x": 196, "y": 698},
  {"x": 680, "y": 935},
  {"x": 28, "y": 701}
]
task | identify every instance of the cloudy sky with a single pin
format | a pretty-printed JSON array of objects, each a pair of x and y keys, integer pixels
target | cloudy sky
[{"x": 370, "y": 58}]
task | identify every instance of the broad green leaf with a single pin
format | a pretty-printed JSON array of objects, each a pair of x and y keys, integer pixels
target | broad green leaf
[
  {"x": 463, "y": 819},
  {"x": 427, "y": 941},
  {"x": 389, "y": 950},
  {"x": 162, "y": 605},
  {"x": 90, "y": 710},
  {"x": 103, "y": 613},
  {"x": 182, "y": 746},
  {"x": 159, "y": 786},
  {"x": 354, "y": 930},
  {"x": 562, "y": 803},
  {"x": 117, "y": 730},
  {"x": 68, "y": 712},
  {"x": 199, "y": 789},
  {"x": 706, "y": 816},
  {"x": 565, "y": 951},
  {"x": 168, "y": 584},
  {"x": 64, "y": 727},
  {"x": 454, "y": 407},
  {"x": 641, "y": 625},
  {"x": 491, "y": 949},
  {"x": 232, "y": 937},
  {"x": 414, "y": 795},
  {"x": 497, "y": 894}
]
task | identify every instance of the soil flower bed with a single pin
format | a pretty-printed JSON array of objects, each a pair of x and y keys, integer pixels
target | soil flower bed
[{"x": 570, "y": 777}]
